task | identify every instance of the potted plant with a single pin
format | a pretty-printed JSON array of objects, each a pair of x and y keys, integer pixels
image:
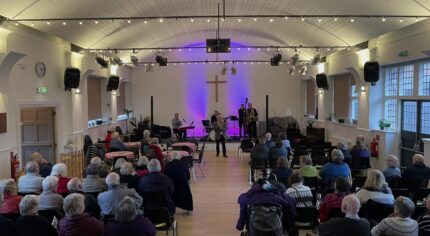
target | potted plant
[{"x": 383, "y": 123}]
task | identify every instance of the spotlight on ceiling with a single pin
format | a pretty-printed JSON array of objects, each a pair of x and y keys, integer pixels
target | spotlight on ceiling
[
  {"x": 162, "y": 61},
  {"x": 224, "y": 69},
  {"x": 303, "y": 69},
  {"x": 294, "y": 59},
  {"x": 135, "y": 60},
  {"x": 291, "y": 70},
  {"x": 116, "y": 61},
  {"x": 316, "y": 59},
  {"x": 274, "y": 61},
  {"x": 102, "y": 62},
  {"x": 149, "y": 68},
  {"x": 233, "y": 69}
]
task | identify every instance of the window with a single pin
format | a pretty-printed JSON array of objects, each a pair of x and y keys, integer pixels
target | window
[
  {"x": 121, "y": 100},
  {"x": 391, "y": 112},
  {"x": 391, "y": 81},
  {"x": 425, "y": 118},
  {"x": 406, "y": 85},
  {"x": 410, "y": 116},
  {"x": 94, "y": 91},
  {"x": 424, "y": 85},
  {"x": 354, "y": 103}
]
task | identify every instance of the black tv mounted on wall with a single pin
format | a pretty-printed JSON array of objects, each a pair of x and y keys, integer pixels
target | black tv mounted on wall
[{"x": 218, "y": 46}]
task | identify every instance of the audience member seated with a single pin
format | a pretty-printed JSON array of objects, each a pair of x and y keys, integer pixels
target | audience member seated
[
  {"x": 301, "y": 193},
  {"x": 351, "y": 224},
  {"x": 116, "y": 144},
  {"x": 155, "y": 181},
  {"x": 375, "y": 188},
  {"x": 118, "y": 164},
  {"x": 306, "y": 167},
  {"x": 50, "y": 199},
  {"x": 60, "y": 171},
  {"x": 392, "y": 169},
  {"x": 360, "y": 155},
  {"x": 108, "y": 137},
  {"x": 157, "y": 151},
  {"x": 341, "y": 145},
  {"x": 44, "y": 166},
  {"x": 115, "y": 193},
  {"x": 334, "y": 200},
  {"x": 93, "y": 183},
  {"x": 260, "y": 151},
  {"x": 267, "y": 192},
  {"x": 91, "y": 205},
  {"x": 269, "y": 142},
  {"x": 31, "y": 182},
  {"x": 282, "y": 172},
  {"x": 142, "y": 166},
  {"x": 424, "y": 220},
  {"x": 179, "y": 173},
  {"x": 334, "y": 169},
  {"x": 128, "y": 177},
  {"x": 399, "y": 223},
  {"x": 129, "y": 221},
  {"x": 11, "y": 198},
  {"x": 417, "y": 175},
  {"x": 285, "y": 142},
  {"x": 76, "y": 222},
  {"x": 30, "y": 223},
  {"x": 277, "y": 151},
  {"x": 7, "y": 226},
  {"x": 103, "y": 168}
]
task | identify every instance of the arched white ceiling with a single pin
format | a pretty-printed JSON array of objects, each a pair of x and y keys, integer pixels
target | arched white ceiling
[{"x": 108, "y": 34}]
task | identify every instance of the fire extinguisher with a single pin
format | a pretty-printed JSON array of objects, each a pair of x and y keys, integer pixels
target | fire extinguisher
[
  {"x": 14, "y": 166},
  {"x": 374, "y": 148}
]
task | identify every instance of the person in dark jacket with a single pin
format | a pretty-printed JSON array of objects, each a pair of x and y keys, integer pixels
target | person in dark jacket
[
  {"x": 76, "y": 222},
  {"x": 278, "y": 151},
  {"x": 129, "y": 221},
  {"x": 267, "y": 192},
  {"x": 260, "y": 151},
  {"x": 155, "y": 181},
  {"x": 179, "y": 173},
  {"x": 44, "y": 166},
  {"x": 128, "y": 176},
  {"x": 116, "y": 144},
  {"x": 7, "y": 227},
  {"x": 360, "y": 156},
  {"x": 91, "y": 205},
  {"x": 346, "y": 154},
  {"x": 282, "y": 172},
  {"x": 30, "y": 224},
  {"x": 416, "y": 176}
]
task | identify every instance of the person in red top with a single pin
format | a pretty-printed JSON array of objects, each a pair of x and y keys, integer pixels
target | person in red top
[
  {"x": 60, "y": 171},
  {"x": 142, "y": 166},
  {"x": 158, "y": 153},
  {"x": 108, "y": 137},
  {"x": 334, "y": 200},
  {"x": 11, "y": 198}
]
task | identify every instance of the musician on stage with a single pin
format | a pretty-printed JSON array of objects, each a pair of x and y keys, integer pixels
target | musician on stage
[
  {"x": 220, "y": 128},
  {"x": 176, "y": 124},
  {"x": 214, "y": 116},
  {"x": 251, "y": 121},
  {"x": 242, "y": 115}
]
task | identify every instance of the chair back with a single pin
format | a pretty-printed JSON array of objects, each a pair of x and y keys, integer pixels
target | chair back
[
  {"x": 295, "y": 161},
  {"x": 264, "y": 219},
  {"x": 155, "y": 210},
  {"x": 311, "y": 182},
  {"x": 49, "y": 214},
  {"x": 25, "y": 194},
  {"x": 400, "y": 192},
  {"x": 335, "y": 212},
  {"x": 259, "y": 164},
  {"x": 11, "y": 216},
  {"x": 358, "y": 182},
  {"x": 394, "y": 181},
  {"x": 421, "y": 194},
  {"x": 246, "y": 145},
  {"x": 188, "y": 160},
  {"x": 372, "y": 210},
  {"x": 114, "y": 149},
  {"x": 201, "y": 153},
  {"x": 307, "y": 215},
  {"x": 273, "y": 163},
  {"x": 319, "y": 160},
  {"x": 153, "y": 199}
]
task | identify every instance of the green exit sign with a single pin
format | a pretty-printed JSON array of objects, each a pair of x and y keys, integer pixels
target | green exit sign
[
  {"x": 403, "y": 53},
  {"x": 42, "y": 90}
]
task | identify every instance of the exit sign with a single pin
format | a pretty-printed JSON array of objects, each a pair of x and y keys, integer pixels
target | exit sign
[
  {"x": 403, "y": 53},
  {"x": 42, "y": 90}
]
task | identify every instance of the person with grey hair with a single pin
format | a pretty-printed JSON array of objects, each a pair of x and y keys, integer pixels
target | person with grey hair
[
  {"x": 76, "y": 222},
  {"x": 118, "y": 164},
  {"x": 30, "y": 223},
  {"x": 116, "y": 144},
  {"x": 115, "y": 193},
  {"x": 91, "y": 205},
  {"x": 259, "y": 151},
  {"x": 351, "y": 224},
  {"x": 376, "y": 189},
  {"x": 360, "y": 156},
  {"x": 341, "y": 145},
  {"x": 93, "y": 183},
  {"x": 269, "y": 142},
  {"x": 31, "y": 182},
  {"x": 416, "y": 176},
  {"x": 50, "y": 199},
  {"x": 60, "y": 171},
  {"x": 334, "y": 169},
  {"x": 129, "y": 221},
  {"x": 155, "y": 181},
  {"x": 179, "y": 173},
  {"x": 306, "y": 167},
  {"x": 7, "y": 227},
  {"x": 103, "y": 168},
  {"x": 44, "y": 166},
  {"x": 11, "y": 198},
  {"x": 399, "y": 223},
  {"x": 128, "y": 177},
  {"x": 392, "y": 171},
  {"x": 142, "y": 166}
]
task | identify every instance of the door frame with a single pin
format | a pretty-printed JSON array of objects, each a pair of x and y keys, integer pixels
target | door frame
[{"x": 56, "y": 106}]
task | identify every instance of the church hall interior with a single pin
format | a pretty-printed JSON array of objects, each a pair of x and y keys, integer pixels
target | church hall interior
[{"x": 195, "y": 116}]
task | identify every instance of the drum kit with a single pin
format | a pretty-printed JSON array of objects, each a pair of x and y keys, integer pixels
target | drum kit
[{"x": 207, "y": 126}]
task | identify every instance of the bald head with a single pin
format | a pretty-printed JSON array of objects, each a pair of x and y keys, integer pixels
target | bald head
[
  {"x": 417, "y": 158},
  {"x": 74, "y": 185},
  {"x": 350, "y": 205},
  {"x": 392, "y": 161}
]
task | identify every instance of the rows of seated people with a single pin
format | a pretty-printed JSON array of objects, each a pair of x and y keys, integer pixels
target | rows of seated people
[
  {"x": 324, "y": 190},
  {"x": 103, "y": 203}
]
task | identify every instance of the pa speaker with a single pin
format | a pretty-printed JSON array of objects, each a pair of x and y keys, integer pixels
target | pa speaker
[
  {"x": 371, "y": 72},
  {"x": 321, "y": 80},
  {"x": 113, "y": 83},
  {"x": 71, "y": 78}
]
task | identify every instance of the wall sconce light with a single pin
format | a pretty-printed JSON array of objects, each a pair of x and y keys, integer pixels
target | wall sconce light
[
  {"x": 363, "y": 88},
  {"x": 113, "y": 92},
  {"x": 77, "y": 91}
]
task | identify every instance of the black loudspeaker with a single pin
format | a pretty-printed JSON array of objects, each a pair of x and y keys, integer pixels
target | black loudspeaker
[
  {"x": 113, "y": 83},
  {"x": 371, "y": 72},
  {"x": 321, "y": 80},
  {"x": 71, "y": 78}
]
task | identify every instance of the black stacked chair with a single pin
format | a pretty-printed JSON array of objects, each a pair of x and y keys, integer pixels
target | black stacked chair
[
  {"x": 400, "y": 192},
  {"x": 372, "y": 210},
  {"x": 306, "y": 219},
  {"x": 358, "y": 182},
  {"x": 245, "y": 146},
  {"x": 421, "y": 194},
  {"x": 335, "y": 212},
  {"x": 50, "y": 214},
  {"x": 155, "y": 210},
  {"x": 11, "y": 216},
  {"x": 257, "y": 164}
]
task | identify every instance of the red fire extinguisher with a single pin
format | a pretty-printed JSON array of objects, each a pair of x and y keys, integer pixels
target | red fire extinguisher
[
  {"x": 374, "y": 148},
  {"x": 14, "y": 166}
]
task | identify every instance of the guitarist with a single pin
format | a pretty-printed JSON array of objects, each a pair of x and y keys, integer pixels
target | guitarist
[
  {"x": 242, "y": 119},
  {"x": 251, "y": 121}
]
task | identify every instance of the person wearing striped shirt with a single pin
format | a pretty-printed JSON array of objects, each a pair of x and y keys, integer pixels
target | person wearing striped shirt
[
  {"x": 424, "y": 220},
  {"x": 301, "y": 193}
]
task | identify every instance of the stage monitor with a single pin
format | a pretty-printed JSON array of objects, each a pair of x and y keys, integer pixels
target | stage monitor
[{"x": 218, "y": 46}]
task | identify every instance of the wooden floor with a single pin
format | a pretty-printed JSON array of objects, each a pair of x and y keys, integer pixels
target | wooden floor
[{"x": 215, "y": 197}]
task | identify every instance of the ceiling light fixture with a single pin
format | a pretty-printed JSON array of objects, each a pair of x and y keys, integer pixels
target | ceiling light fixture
[
  {"x": 192, "y": 19},
  {"x": 303, "y": 19},
  {"x": 255, "y": 19},
  {"x": 401, "y": 20},
  {"x": 129, "y": 21},
  {"x": 64, "y": 23},
  {"x": 352, "y": 20},
  {"x": 271, "y": 20},
  {"x": 335, "y": 19},
  {"x": 319, "y": 20},
  {"x": 233, "y": 69},
  {"x": 80, "y": 22},
  {"x": 96, "y": 22},
  {"x": 239, "y": 20},
  {"x": 383, "y": 19}
]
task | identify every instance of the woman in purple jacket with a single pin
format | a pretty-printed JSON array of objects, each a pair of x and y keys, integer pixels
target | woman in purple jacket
[{"x": 129, "y": 221}]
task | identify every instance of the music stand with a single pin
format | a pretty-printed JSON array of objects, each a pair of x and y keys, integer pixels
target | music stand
[
  {"x": 234, "y": 118},
  {"x": 207, "y": 127}
]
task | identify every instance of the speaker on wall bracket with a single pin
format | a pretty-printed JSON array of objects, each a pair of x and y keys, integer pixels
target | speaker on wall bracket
[
  {"x": 71, "y": 78},
  {"x": 321, "y": 80},
  {"x": 371, "y": 72},
  {"x": 113, "y": 83}
]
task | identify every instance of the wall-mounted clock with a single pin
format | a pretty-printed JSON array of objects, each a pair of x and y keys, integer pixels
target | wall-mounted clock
[{"x": 40, "y": 69}]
